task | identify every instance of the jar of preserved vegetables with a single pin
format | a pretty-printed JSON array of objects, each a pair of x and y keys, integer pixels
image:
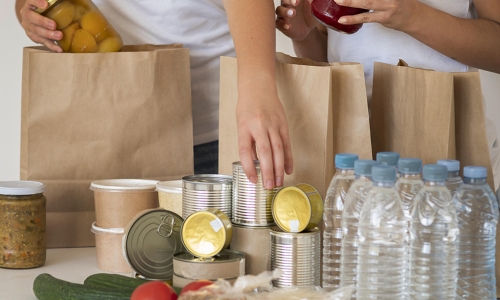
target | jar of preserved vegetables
[
  {"x": 84, "y": 27},
  {"x": 22, "y": 224}
]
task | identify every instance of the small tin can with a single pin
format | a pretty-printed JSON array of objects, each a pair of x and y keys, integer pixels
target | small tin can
[
  {"x": 255, "y": 242},
  {"x": 207, "y": 232},
  {"x": 228, "y": 265},
  {"x": 297, "y": 208},
  {"x": 251, "y": 202},
  {"x": 22, "y": 224},
  {"x": 298, "y": 255},
  {"x": 151, "y": 239},
  {"x": 206, "y": 191}
]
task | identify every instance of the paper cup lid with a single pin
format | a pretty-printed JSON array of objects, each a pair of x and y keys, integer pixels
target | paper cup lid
[
  {"x": 21, "y": 188},
  {"x": 124, "y": 184},
  {"x": 171, "y": 186},
  {"x": 151, "y": 239}
]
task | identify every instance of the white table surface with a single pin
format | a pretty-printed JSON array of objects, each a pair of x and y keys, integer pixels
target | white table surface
[{"x": 70, "y": 264}]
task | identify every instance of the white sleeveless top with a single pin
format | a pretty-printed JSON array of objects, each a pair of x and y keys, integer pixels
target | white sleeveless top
[
  {"x": 201, "y": 26},
  {"x": 374, "y": 42}
]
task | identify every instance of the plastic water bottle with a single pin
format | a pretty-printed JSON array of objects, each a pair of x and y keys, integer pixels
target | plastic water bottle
[
  {"x": 381, "y": 254},
  {"x": 434, "y": 229},
  {"x": 332, "y": 217},
  {"x": 408, "y": 185},
  {"x": 454, "y": 180},
  {"x": 350, "y": 220},
  {"x": 477, "y": 213},
  {"x": 388, "y": 159}
]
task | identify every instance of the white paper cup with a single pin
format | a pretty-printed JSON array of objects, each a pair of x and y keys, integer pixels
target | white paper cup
[
  {"x": 108, "y": 244},
  {"x": 170, "y": 195}
]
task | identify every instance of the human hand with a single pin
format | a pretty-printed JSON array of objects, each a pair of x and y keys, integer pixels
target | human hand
[
  {"x": 295, "y": 20},
  {"x": 38, "y": 28},
  {"x": 263, "y": 135},
  {"x": 394, "y": 14}
]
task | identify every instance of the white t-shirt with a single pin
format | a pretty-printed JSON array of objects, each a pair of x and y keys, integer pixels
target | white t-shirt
[
  {"x": 374, "y": 42},
  {"x": 201, "y": 26}
]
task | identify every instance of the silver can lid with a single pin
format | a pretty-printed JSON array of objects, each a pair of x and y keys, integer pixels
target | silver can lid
[
  {"x": 207, "y": 182},
  {"x": 21, "y": 188},
  {"x": 151, "y": 239}
]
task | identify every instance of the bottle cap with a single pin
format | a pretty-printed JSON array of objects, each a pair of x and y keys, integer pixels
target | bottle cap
[
  {"x": 410, "y": 165},
  {"x": 345, "y": 160},
  {"x": 475, "y": 172},
  {"x": 383, "y": 173},
  {"x": 451, "y": 164},
  {"x": 388, "y": 158},
  {"x": 435, "y": 172},
  {"x": 363, "y": 167}
]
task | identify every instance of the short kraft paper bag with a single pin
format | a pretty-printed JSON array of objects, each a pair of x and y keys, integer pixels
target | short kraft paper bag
[
  {"x": 102, "y": 116},
  {"x": 431, "y": 115},
  {"x": 326, "y": 109}
]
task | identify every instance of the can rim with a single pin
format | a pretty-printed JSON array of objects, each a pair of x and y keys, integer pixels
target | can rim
[{"x": 241, "y": 255}]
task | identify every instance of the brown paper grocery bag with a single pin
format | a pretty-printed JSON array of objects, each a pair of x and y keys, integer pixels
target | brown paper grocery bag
[
  {"x": 326, "y": 109},
  {"x": 102, "y": 116},
  {"x": 428, "y": 114}
]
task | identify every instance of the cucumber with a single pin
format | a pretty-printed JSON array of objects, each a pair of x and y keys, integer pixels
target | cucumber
[
  {"x": 117, "y": 281},
  {"x": 114, "y": 281},
  {"x": 47, "y": 287}
]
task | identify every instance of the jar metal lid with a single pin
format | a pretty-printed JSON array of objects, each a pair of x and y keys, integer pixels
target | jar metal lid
[
  {"x": 50, "y": 2},
  {"x": 21, "y": 188},
  {"x": 171, "y": 186},
  {"x": 150, "y": 241},
  {"x": 124, "y": 185}
]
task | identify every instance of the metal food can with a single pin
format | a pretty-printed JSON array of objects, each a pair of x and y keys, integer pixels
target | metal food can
[
  {"x": 298, "y": 255},
  {"x": 228, "y": 265},
  {"x": 207, "y": 232},
  {"x": 206, "y": 191},
  {"x": 255, "y": 242},
  {"x": 251, "y": 202},
  {"x": 297, "y": 208},
  {"x": 150, "y": 241}
]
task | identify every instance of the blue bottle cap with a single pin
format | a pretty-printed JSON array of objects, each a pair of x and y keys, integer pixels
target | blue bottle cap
[
  {"x": 451, "y": 164},
  {"x": 388, "y": 158},
  {"x": 383, "y": 173},
  {"x": 363, "y": 167},
  {"x": 410, "y": 165},
  {"x": 345, "y": 160},
  {"x": 475, "y": 172},
  {"x": 435, "y": 172}
]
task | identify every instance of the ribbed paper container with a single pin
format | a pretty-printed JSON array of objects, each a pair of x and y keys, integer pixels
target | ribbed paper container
[
  {"x": 206, "y": 191},
  {"x": 298, "y": 255},
  {"x": 251, "y": 202},
  {"x": 255, "y": 242},
  {"x": 108, "y": 245}
]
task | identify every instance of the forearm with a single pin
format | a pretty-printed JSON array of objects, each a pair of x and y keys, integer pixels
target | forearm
[
  {"x": 474, "y": 42},
  {"x": 19, "y": 5},
  {"x": 252, "y": 25},
  {"x": 314, "y": 46}
]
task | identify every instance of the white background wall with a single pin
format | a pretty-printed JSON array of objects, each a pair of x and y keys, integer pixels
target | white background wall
[{"x": 14, "y": 39}]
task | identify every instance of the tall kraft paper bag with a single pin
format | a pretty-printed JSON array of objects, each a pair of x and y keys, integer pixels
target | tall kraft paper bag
[
  {"x": 326, "y": 109},
  {"x": 102, "y": 116},
  {"x": 431, "y": 115}
]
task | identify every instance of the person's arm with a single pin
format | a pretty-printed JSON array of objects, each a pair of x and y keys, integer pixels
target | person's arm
[
  {"x": 260, "y": 116},
  {"x": 38, "y": 28},
  {"x": 309, "y": 38},
  {"x": 473, "y": 42}
]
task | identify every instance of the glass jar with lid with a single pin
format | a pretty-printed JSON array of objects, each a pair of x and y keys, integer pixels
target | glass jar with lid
[
  {"x": 22, "y": 224},
  {"x": 84, "y": 27}
]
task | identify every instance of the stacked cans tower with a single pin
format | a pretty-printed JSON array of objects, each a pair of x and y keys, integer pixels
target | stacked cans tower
[{"x": 252, "y": 219}]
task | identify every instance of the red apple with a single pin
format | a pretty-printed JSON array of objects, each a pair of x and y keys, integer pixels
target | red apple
[
  {"x": 154, "y": 290},
  {"x": 195, "y": 285}
]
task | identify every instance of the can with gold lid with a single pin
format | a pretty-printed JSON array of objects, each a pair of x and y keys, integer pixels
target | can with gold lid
[
  {"x": 84, "y": 27},
  {"x": 297, "y": 208},
  {"x": 151, "y": 239},
  {"x": 206, "y": 233}
]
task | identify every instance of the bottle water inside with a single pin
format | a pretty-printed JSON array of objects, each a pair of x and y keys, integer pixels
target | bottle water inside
[{"x": 454, "y": 180}]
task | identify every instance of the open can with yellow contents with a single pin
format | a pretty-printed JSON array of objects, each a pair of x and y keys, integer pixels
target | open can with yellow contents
[{"x": 84, "y": 27}]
